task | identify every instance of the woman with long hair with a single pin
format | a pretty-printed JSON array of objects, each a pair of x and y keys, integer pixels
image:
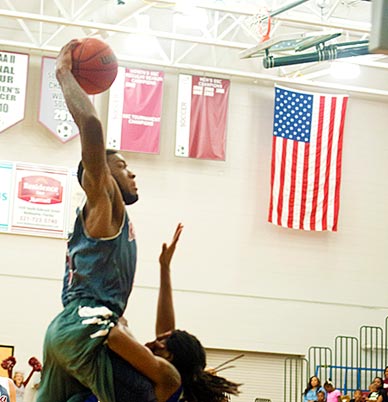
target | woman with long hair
[
  {"x": 382, "y": 392},
  {"x": 310, "y": 393}
]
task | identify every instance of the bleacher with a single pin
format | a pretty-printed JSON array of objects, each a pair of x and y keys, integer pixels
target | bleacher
[{"x": 352, "y": 363}]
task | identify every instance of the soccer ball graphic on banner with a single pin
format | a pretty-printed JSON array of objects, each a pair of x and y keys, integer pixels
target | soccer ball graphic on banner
[{"x": 64, "y": 130}]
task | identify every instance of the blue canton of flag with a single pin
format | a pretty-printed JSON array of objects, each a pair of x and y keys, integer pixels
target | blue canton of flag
[{"x": 293, "y": 115}]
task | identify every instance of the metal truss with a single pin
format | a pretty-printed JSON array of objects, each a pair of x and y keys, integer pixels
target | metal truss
[{"x": 194, "y": 36}]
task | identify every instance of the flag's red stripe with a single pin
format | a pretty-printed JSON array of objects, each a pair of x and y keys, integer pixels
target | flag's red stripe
[
  {"x": 317, "y": 163},
  {"x": 281, "y": 184},
  {"x": 292, "y": 184},
  {"x": 304, "y": 185},
  {"x": 272, "y": 177},
  {"x": 328, "y": 162},
  {"x": 339, "y": 164}
]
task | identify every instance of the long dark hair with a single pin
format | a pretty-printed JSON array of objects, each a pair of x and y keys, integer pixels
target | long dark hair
[
  {"x": 309, "y": 386},
  {"x": 189, "y": 358}
]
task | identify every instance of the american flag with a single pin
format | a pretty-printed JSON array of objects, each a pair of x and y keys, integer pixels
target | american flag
[{"x": 306, "y": 159}]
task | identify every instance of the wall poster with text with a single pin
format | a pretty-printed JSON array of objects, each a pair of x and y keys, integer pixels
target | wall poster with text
[{"x": 40, "y": 200}]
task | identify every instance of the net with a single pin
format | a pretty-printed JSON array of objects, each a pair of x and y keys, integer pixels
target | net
[{"x": 259, "y": 24}]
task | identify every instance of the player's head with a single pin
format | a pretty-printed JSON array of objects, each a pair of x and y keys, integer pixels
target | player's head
[
  {"x": 188, "y": 355},
  {"x": 123, "y": 177},
  {"x": 189, "y": 358}
]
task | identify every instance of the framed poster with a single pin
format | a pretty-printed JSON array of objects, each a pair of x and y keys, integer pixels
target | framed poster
[
  {"x": 40, "y": 200},
  {"x": 5, "y": 352}
]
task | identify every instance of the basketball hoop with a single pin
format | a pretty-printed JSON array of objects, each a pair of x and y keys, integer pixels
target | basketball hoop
[{"x": 259, "y": 24}]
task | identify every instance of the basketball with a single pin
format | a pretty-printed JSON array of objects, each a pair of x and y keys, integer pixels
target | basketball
[{"x": 94, "y": 65}]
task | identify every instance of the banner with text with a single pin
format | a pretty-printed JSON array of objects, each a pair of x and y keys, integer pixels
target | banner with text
[
  {"x": 40, "y": 200},
  {"x": 13, "y": 86},
  {"x": 53, "y": 112},
  {"x": 135, "y": 107},
  {"x": 201, "y": 117}
]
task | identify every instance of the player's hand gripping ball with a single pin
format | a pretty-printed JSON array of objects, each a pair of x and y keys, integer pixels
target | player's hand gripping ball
[{"x": 94, "y": 65}]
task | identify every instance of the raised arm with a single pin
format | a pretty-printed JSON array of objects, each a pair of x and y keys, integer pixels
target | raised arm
[
  {"x": 97, "y": 181},
  {"x": 165, "y": 316},
  {"x": 12, "y": 390},
  {"x": 83, "y": 112}
]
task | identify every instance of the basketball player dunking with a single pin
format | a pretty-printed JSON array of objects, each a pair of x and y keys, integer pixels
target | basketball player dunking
[{"x": 100, "y": 268}]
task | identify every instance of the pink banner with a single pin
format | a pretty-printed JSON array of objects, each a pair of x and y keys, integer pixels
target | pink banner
[
  {"x": 201, "y": 117},
  {"x": 135, "y": 106}
]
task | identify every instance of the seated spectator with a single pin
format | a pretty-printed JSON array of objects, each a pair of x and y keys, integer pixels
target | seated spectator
[
  {"x": 7, "y": 390},
  {"x": 332, "y": 394},
  {"x": 373, "y": 392},
  {"x": 313, "y": 387},
  {"x": 380, "y": 389},
  {"x": 385, "y": 382},
  {"x": 358, "y": 396},
  {"x": 321, "y": 396}
]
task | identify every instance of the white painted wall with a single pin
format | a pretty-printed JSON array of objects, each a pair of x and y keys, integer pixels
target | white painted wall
[{"x": 241, "y": 283}]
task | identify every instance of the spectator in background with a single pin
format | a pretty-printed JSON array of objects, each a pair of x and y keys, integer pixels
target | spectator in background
[
  {"x": 332, "y": 394},
  {"x": 313, "y": 387},
  {"x": 385, "y": 382},
  {"x": 382, "y": 394},
  {"x": 373, "y": 392},
  {"x": 7, "y": 390},
  {"x": 18, "y": 380},
  {"x": 357, "y": 396},
  {"x": 321, "y": 396}
]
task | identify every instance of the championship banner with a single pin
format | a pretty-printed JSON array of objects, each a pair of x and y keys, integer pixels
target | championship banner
[
  {"x": 53, "y": 111},
  {"x": 135, "y": 107},
  {"x": 13, "y": 85},
  {"x": 201, "y": 117},
  {"x": 40, "y": 200},
  {"x": 6, "y": 174}
]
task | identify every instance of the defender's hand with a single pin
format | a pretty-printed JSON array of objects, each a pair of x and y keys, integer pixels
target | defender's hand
[{"x": 168, "y": 251}]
